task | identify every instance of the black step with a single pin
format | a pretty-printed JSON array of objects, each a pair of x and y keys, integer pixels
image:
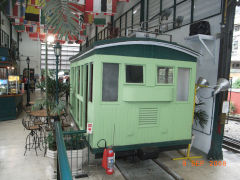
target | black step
[{"x": 148, "y": 153}]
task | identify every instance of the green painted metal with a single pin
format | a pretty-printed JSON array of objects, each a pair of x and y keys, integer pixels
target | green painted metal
[
  {"x": 129, "y": 53},
  {"x": 65, "y": 172},
  {"x": 57, "y": 79},
  {"x": 10, "y": 107},
  {"x": 174, "y": 13},
  {"x": 74, "y": 132},
  {"x": 170, "y": 144},
  {"x": 142, "y": 11},
  {"x": 4, "y": 52},
  {"x": 118, "y": 122},
  {"x": 147, "y": 51}
]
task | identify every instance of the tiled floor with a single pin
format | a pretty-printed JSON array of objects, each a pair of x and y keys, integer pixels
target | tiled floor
[{"x": 13, "y": 164}]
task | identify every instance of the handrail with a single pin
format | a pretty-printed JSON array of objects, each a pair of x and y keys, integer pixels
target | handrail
[
  {"x": 65, "y": 172},
  {"x": 74, "y": 132}
]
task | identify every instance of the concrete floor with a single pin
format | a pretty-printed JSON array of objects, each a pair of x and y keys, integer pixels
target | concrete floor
[
  {"x": 14, "y": 165},
  {"x": 232, "y": 129},
  {"x": 205, "y": 171}
]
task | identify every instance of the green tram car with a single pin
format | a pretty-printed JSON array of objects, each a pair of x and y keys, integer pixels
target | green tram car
[{"x": 137, "y": 93}]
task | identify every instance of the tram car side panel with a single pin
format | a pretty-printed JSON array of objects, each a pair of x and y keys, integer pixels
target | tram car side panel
[
  {"x": 134, "y": 101},
  {"x": 143, "y": 113}
]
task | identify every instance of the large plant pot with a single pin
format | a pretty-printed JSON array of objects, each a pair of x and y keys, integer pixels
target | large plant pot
[
  {"x": 52, "y": 157},
  {"x": 75, "y": 158}
]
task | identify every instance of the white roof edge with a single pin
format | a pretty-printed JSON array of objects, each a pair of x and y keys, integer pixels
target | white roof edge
[{"x": 162, "y": 44}]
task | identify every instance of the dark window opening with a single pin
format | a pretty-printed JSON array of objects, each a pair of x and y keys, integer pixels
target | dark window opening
[
  {"x": 110, "y": 82},
  {"x": 134, "y": 74}
]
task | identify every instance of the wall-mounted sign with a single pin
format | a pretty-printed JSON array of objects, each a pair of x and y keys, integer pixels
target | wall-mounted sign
[{"x": 89, "y": 128}]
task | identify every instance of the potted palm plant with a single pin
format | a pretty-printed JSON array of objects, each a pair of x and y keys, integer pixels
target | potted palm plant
[
  {"x": 49, "y": 103},
  {"x": 53, "y": 109},
  {"x": 76, "y": 151}
]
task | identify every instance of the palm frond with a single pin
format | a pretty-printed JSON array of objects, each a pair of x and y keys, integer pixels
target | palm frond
[{"x": 200, "y": 116}]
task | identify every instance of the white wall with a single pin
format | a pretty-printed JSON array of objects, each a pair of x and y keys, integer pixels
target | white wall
[
  {"x": 207, "y": 68},
  {"x": 29, "y": 48}
]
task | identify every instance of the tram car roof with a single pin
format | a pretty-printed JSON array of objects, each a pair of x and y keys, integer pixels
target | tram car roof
[{"x": 139, "y": 47}]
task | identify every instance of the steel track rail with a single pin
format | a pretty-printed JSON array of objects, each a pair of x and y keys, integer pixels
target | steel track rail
[
  {"x": 231, "y": 144},
  {"x": 161, "y": 165}
]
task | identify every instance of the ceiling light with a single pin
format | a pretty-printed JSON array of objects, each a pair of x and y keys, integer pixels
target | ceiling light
[{"x": 50, "y": 39}]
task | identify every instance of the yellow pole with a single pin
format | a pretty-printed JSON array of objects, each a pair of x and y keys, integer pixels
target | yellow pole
[{"x": 189, "y": 146}]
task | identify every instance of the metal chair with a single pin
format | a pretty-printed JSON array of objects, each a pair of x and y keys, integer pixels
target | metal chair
[
  {"x": 64, "y": 118},
  {"x": 32, "y": 139}
]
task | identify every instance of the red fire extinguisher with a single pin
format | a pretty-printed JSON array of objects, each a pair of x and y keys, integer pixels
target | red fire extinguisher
[
  {"x": 110, "y": 161},
  {"x": 104, "y": 160},
  {"x": 108, "y": 158}
]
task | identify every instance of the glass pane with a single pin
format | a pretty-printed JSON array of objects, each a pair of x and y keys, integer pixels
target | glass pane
[
  {"x": 68, "y": 50},
  {"x": 206, "y": 9},
  {"x": 154, "y": 8},
  {"x": 134, "y": 74},
  {"x": 136, "y": 16},
  {"x": 183, "y": 10},
  {"x": 167, "y": 3},
  {"x": 110, "y": 82},
  {"x": 183, "y": 84},
  {"x": 165, "y": 75}
]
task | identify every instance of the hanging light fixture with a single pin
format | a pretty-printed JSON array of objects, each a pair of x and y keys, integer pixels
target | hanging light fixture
[
  {"x": 201, "y": 83},
  {"x": 222, "y": 85},
  {"x": 57, "y": 49},
  {"x": 165, "y": 14},
  {"x": 50, "y": 39}
]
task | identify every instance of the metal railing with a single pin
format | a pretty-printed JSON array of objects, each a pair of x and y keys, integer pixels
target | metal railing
[
  {"x": 63, "y": 168},
  {"x": 71, "y": 153},
  {"x": 132, "y": 20},
  {"x": 76, "y": 151}
]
